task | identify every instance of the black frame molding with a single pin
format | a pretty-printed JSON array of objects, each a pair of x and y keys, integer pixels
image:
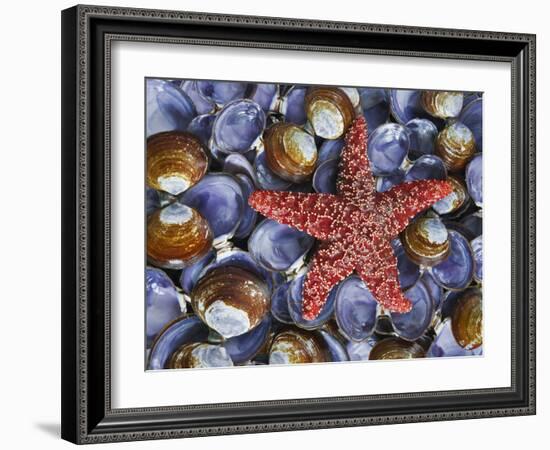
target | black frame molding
[{"x": 87, "y": 34}]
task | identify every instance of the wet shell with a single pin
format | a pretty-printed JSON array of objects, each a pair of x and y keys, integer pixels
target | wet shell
[
  {"x": 412, "y": 325},
  {"x": 200, "y": 355},
  {"x": 230, "y": 300},
  {"x": 455, "y": 145},
  {"x": 445, "y": 345},
  {"x": 396, "y": 348},
  {"x": 291, "y": 152},
  {"x": 426, "y": 241},
  {"x": 244, "y": 347},
  {"x": 442, "y": 104},
  {"x": 467, "y": 319},
  {"x": 175, "y": 161},
  {"x": 329, "y": 110},
  {"x": 456, "y": 202},
  {"x": 295, "y": 346},
  {"x": 177, "y": 236}
]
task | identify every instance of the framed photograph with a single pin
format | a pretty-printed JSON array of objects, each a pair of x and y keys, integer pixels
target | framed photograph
[{"x": 280, "y": 224}]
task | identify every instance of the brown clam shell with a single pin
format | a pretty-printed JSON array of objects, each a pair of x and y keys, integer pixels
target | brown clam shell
[
  {"x": 296, "y": 346},
  {"x": 177, "y": 236},
  {"x": 196, "y": 355},
  {"x": 332, "y": 106},
  {"x": 455, "y": 145},
  {"x": 230, "y": 300},
  {"x": 467, "y": 319},
  {"x": 290, "y": 152},
  {"x": 442, "y": 104},
  {"x": 426, "y": 241},
  {"x": 456, "y": 202},
  {"x": 175, "y": 161},
  {"x": 396, "y": 348}
]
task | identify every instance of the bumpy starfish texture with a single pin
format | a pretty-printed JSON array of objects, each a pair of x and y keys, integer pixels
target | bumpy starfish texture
[{"x": 355, "y": 226}]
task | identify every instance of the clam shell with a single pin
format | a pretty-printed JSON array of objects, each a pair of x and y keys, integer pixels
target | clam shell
[
  {"x": 473, "y": 223},
  {"x": 330, "y": 149},
  {"x": 244, "y": 347},
  {"x": 230, "y": 300},
  {"x": 387, "y": 148},
  {"x": 177, "y": 236},
  {"x": 467, "y": 319},
  {"x": 408, "y": 271},
  {"x": 456, "y": 202},
  {"x": 412, "y": 325},
  {"x": 329, "y": 111},
  {"x": 426, "y": 241},
  {"x": 168, "y": 107},
  {"x": 265, "y": 95},
  {"x": 385, "y": 183},
  {"x": 360, "y": 351},
  {"x": 422, "y": 134},
  {"x": 426, "y": 167},
  {"x": 456, "y": 271},
  {"x": 220, "y": 200},
  {"x": 355, "y": 309},
  {"x": 202, "y": 105},
  {"x": 406, "y": 105},
  {"x": 396, "y": 348},
  {"x": 290, "y": 152},
  {"x": 477, "y": 249},
  {"x": 445, "y": 345},
  {"x": 472, "y": 117},
  {"x": 175, "y": 161},
  {"x": 201, "y": 127},
  {"x": 190, "y": 274},
  {"x": 278, "y": 247},
  {"x": 161, "y": 300},
  {"x": 266, "y": 178},
  {"x": 375, "y": 105},
  {"x": 295, "y": 346},
  {"x": 238, "y": 126},
  {"x": 435, "y": 290},
  {"x": 200, "y": 355},
  {"x": 335, "y": 349},
  {"x": 293, "y": 105},
  {"x": 279, "y": 303},
  {"x": 353, "y": 95},
  {"x": 325, "y": 177},
  {"x": 249, "y": 216},
  {"x": 221, "y": 92},
  {"x": 237, "y": 164},
  {"x": 178, "y": 333},
  {"x": 442, "y": 104},
  {"x": 474, "y": 179},
  {"x": 455, "y": 145},
  {"x": 152, "y": 200}
]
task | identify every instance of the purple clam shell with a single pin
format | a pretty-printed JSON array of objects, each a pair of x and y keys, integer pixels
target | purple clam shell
[
  {"x": 422, "y": 134},
  {"x": 375, "y": 105},
  {"x": 359, "y": 351},
  {"x": 409, "y": 273},
  {"x": 385, "y": 183},
  {"x": 474, "y": 179},
  {"x": 184, "y": 331},
  {"x": 265, "y": 95},
  {"x": 161, "y": 299},
  {"x": 238, "y": 126},
  {"x": 249, "y": 216},
  {"x": 477, "y": 249},
  {"x": 201, "y": 126},
  {"x": 473, "y": 223},
  {"x": 221, "y": 92},
  {"x": 202, "y": 105},
  {"x": 190, "y": 275},
  {"x": 445, "y": 345},
  {"x": 427, "y": 167},
  {"x": 152, "y": 200},
  {"x": 218, "y": 197},
  {"x": 435, "y": 290},
  {"x": 279, "y": 303},
  {"x": 295, "y": 298},
  {"x": 265, "y": 176},
  {"x": 278, "y": 247},
  {"x": 325, "y": 176},
  {"x": 412, "y": 325},
  {"x": 387, "y": 148},
  {"x": 457, "y": 270},
  {"x": 168, "y": 107},
  {"x": 330, "y": 149},
  {"x": 406, "y": 105},
  {"x": 293, "y": 105},
  {"x": 237, "y": 164},
  {"x": 244, "y": 347},
  {"x": 336, "y": 350},
  {"x": 355, "y": 309},
  {"x": 472, "y": 116}
]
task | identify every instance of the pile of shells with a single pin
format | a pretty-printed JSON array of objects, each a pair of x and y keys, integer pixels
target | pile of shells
[{"x": 224, "y": 284}]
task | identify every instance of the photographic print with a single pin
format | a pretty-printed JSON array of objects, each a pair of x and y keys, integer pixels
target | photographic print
[{"x": 290, "y": 224}]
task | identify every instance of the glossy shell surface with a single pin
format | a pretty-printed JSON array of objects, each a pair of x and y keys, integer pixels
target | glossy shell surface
[
  {"x": 457, "y": 270},
  {"x": 200, "y": 355},
  {"x": 456, "y": 201},
  {"x": 387, "y": 148},
  {"x": 294, "y": 346},
  {"x": 474, "y": 179},
  {"x": 455, "y": 145},
  {"x": 396, "y": 348},
  {"x": 442, "y": 104},
  {"x": 426, "y": 241},
  {"x": 413, "y": 325},
  {"x": 329, "y": 110},
  {"x": 467, "y": 320}
]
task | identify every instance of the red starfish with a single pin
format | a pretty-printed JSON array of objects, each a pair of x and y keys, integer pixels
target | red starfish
[{"x": 355, "y": 226}]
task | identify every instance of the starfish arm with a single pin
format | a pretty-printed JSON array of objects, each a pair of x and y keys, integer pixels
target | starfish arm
[
  {"x": 404, "y": 201},
  {"x": 312, "y": 213},
  {"x": 329, "y": 266},
  {"x": 355, "y": 180},
  {"x": 378, "y": 269}
]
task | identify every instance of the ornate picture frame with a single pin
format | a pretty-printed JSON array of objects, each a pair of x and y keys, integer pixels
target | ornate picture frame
[{"x": 88, "y": 33}]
